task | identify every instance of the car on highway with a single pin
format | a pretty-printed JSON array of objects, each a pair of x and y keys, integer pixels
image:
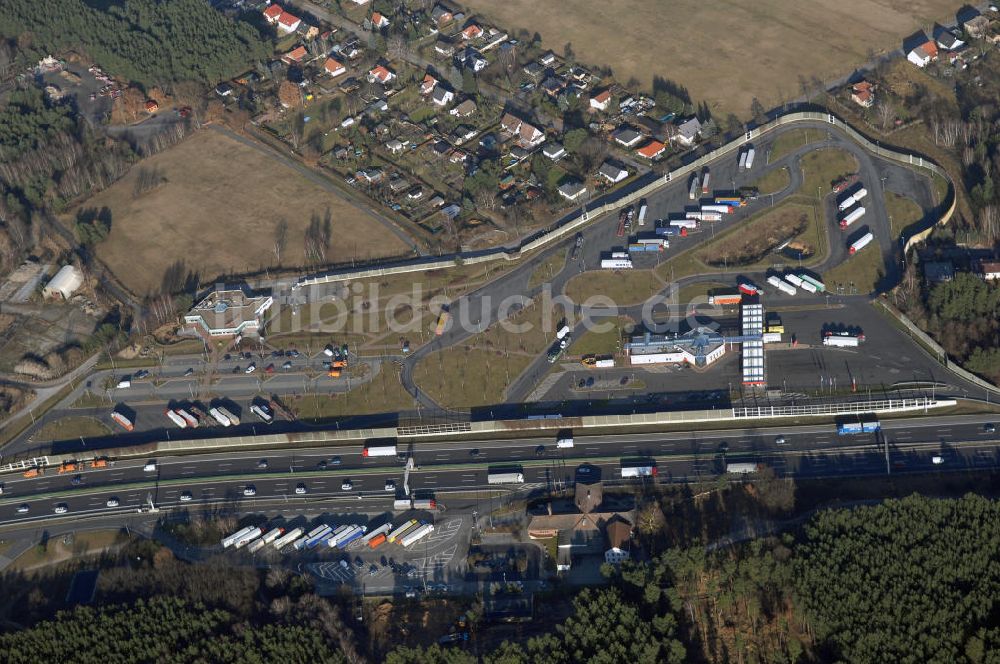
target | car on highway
[
  {"x": 61, "y": 508},
  {"x": 336, "y": 461},
  {"x": 140, "y": 374},
  {"x": 390, "y": 485},
  {"x": 990, "y": 428},
  {"x": 474, "y": 452},
  {"x": 937, "y": 460},
  {"x": 250, "y": 368},
  {"x": 186, "y": 497},
  {"x": 347, "y": 485},
  {"x": 540, "y": 450},
  {"x": 23, "y": 508},
  {"x": 76, "y": 481},
  {"x": 150, "y": 467},
  {"x": 112, "y": 502},
  {"x": 262, "y": 464},
  {"x": 322, "y": 464},
  {"x": 780, "y": 440},
  {"x": 249, "y": 491},
  {"x": 189, "y": 372},
  {"x": 301, "y": 489}
]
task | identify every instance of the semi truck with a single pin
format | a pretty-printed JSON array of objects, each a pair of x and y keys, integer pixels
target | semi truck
[
  {"x": 226, "y": 413},
  {"x": 701, "y": 215},
  {"x": 633, "y": 470},
  {"x": 743, "y": 160},
  {"x": 794, "y": 280},
  {"x": 402, "y": 504},
  {"x": 287, "y": 538},
  {"x": 781, "y": 285},
  {"x": 731, "y": 201},
  {"x": 616, "y": 264},
  {"x": 442, "y": 323},
  {"x": 748, "y": 289},
  {"x": 256, "y": 546},
  {"x": 263, "y": 412},
  {"x": 376, "y": 541},
  {"x": 351, "y": 534},
  {"x": 671, "y": 231},
  {"x": 378, "y": 451},
  {"x": 642, "y": 213},
  {"x": 272, "y": 535},
  {"x": 706, "y": 177},
  {"x": 424, "y": 504},
  {"x": 860, "y": 243},
  {"x": 641, "y": 248},
  {"x": 851, "y": 217},
  {"x": 417, "y": 534},
  {"x": 122, "y": 421},
  {"x": 863, "y": 425},
  {"x": 808, "y": 286},
  {"x": 175, "y": 418},
  {"x": 721, "y": 209},
  {"x": 856, "y": 197},
  {"x": 750, "y": 155},
  {"x": 820, "y": 286},
  {"x": 401, "y": 529},
  {"x": 232, "y": 539},
  {"x": 219, "y": 417},
  {"x": 728, "y": 298},
  {"x": 742, "y": 468},
  {"x": 247, "y": 537},
  {"x": 510, "y": 477},
  {"x": 381, "y": 530},
  {"x": 191, "y": 420},
  {"x": 840, "y": 341},
  {"x": 684, "y": 223},
  {"x": 695, "y": 187},
  {"x": 316, "y": 536}
]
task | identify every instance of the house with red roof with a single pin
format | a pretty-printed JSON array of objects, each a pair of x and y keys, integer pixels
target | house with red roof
[
  {"x": 272, "y": 13},
  {"x": 428, "y": 84},
  {"x": 295, "y": 56},
  {"x": 472, "y": 31},
  {"x": 333, "y": 67},
  {"x": 863, "y": 94},
  {"x": 288, "y": 23},
  {"x": 651, "y": 150},
  {"x": 924, "y": 54},
  {"x": 381, "y": 74},
  {"x": 599, "y": 102},
  {"x": 379, "y": 21}
]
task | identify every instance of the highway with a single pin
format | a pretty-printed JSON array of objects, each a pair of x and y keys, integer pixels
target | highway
[{"x": 964, "y": 442}]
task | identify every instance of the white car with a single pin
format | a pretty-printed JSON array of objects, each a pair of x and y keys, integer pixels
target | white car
[
  {"x": 346, "y": 486},
  {"x": 780, "y": 440},
  {"x": 23, "y": 509},
  {"x": 251, "y": 368},
  {"x": 186, "y": 497},
  {"x": 61, "y": 508},
  {"x": 301, "y": 490},
  {"x": 249, "y": 491},
  {"x": 1, "y": 489},
  {"x": 112, "y": 502},
  {"x": 937, "y": 460},
  {"x": 150, "y": 467},
  {"x": 390, "y": 485}
]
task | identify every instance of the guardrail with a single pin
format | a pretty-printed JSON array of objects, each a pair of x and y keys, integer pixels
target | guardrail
[{"x": 564, "y": 229}]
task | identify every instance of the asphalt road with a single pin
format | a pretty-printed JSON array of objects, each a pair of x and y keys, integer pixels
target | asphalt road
[{"x": 443, "y": 467}]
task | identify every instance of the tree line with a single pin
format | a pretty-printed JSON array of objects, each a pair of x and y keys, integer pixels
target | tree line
[{"x": 145, "y": 41}]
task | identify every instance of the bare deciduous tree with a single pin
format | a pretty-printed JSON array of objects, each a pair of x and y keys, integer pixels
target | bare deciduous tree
[
  {"x": 280, "y": 239},
  {"x": 886, "y": 113}
]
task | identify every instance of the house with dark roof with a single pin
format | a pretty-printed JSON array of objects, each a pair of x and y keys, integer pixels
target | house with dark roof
[
  {"x": 612, "y": 172},
  {"x": 627, "y": 137}
]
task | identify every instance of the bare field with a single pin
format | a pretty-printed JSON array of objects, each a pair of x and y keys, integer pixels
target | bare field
[
  {"x": 758, "y": 49},
  {"x": 218, "y": 209}
]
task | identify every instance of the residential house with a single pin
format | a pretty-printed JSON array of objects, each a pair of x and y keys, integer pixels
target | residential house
[
  {"x": 493, "y": 38},
  {"x": 152, "y": 106},
  {"x": 333, "y": 68},
  {"x": 687, "y": 132},
  {"x": 572, "y": 190},
  {"x": 600, "y": 101},
  {"x": 288, "y": 23},
  {"x": 527, "y": 135},
  {"x": 863, "y": 94},
  {"x": 442, "y": 96},
  {"x": 224, "y": 89},
  {"x": 308, "y": 31},
  {"x": 552, "y": 86},
  {"x": 989, "y": 270},
  {"x": 457, "y": 157},
  {"x": 360, "y": 2},
  {"x": 534, "y": 70},
  {"x": 936, "y": 272},
  {"x": 379, "y": 22},
  {"x": 651, "y": 150},
  {"x": 612, "y": 172},
  {"x": 441, "y": 14},
  {"x": 554, "y": 151},
  {"x": 519, "y": 154},
  {"x": 444, "y": 48},
  {"x": 416, "y": 193},
  {"x": 381, "y": 74},
  {"x": 272, "y": 13},
  {"x": 471, "y": 31},
  {"x": 370, "y": 175},
  {"x": 547, "y": 59},
  {"x": 977, "y": 27},
  {"x": 474, "y": 60},
  {"x": 451, "y": 211},
  {"x": 619, "y": 534},
  {"x": 428, "y": 84},
  {"x": 627, "y": 137},
  {"x": 464, "y": 110},
  {"x": 947, "y": 40},
  {"x": 397, "y": 183},
  {"x": 295, "y": 56},
  {"x": 924, "y": 54},
  {"x": 395, "y": 146}
]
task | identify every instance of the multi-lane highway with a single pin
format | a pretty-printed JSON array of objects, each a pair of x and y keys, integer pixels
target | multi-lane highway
[{"x": 962, "y": 443}]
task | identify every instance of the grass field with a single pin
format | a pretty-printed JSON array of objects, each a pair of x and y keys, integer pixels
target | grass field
[
  {"x": 793, "y": 140},
  {"x": 548, "y": 268},
  {"x": 593, "y": 342},
  {"x": 902, "y": 212},
  {"x": 56, "y": 550},
  {"x": 864, "y": 269},
  {"x": 759, "y": 237},
  {"x": 218, "y": 209},
  {"x": 623, "y": 288},
  {"x": 773, "y": 182},
  {"x": 383, "y": 394},
  {"x": 69, "y": 428},
  {"x": 724, "y": 53},
  {"x": 821, "y": 167}
]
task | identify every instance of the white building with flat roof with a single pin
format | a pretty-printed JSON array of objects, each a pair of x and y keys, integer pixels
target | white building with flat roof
[{"x": 226, "y": 313}]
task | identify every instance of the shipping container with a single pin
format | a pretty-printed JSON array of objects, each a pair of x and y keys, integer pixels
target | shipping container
[
  {"x": 402, "y": 529},
  {"x": 781, "y": 285},
  {"x": 750, "y": 155},
  {"x": 123, "y": 422},
  {"x": 379, "y": 451},
  {"x": 638, "y": 470},
  {"x": 287, "y": 538},
  {"x": 794, "y": 279},
  {"x": 175, "y": 418},
  {"x": 820, "y": 286},
  {"x": 505, "y": 478},
  {"x": 219, "y": 417},
  {"x": 616, "y": 264},
  {"x": 742, "y": 468},
  {"x": 860, "y": 243},
  {"x": 851, "y": 217},
  {"x": 417, "y": 535}
]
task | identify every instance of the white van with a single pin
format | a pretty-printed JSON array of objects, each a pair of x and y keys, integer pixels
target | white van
[
  {"x": 150, "y": 467},
  {"x": 124, "y": 384},
  {"x": 937, "y": 460},
  {"x": 563, "y": 443}
]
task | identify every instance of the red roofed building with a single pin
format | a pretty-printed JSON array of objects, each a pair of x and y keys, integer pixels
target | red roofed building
[
  {"x": 333, "y": 68},
  {"x": 272, "y": 13},
  {"x": 295, "y": 55},
  {"x": 428, "y": 84},
  {"x": 599, "y": 102},
  {"x": 381, "y": 75},
  {"x": 288, "y": 23},
  {"x": 651, "y": 150},
  {"x": 472, "y": 32},
  {"x": 863, "y": 94},
  {"x": 379, "y": 21}
]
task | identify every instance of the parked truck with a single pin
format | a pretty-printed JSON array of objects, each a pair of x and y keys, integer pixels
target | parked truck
[
  {"x": 633, "y": 470},
  {"x": 750, "y": 155},
  {"x": 417, "y": 534},
  {"x": 175, "y": 418},
  {"x": 351, "y": 534},
  {"x": 505, "y": 478},
  {"x": 695, "y": 187},
  {"x": 851, "y": 217},
  {"x": 820, "y": 286},
  {"x": 742, "y": 468},
  {"x": 781, "y": 285},
  {"x": 122, "y": 421},
  {"x": 840, "y": 341},
  {"x": 401, "y": 530},
  {"x": 794, "y": 280},
  {"x": 263, "y": 412},
  {"x": 317, "y": 536},
  {"x": 226, "y": 413},
  {"x": 376, "y": 541},
  {"x": 378, "y": 451},
  {"x": 232, "y": 539},
  {"x": 401, "y": 504},
  {"x": 372, "y": 534},
  {"x": 684, "y": 223},
  {"x": 247, "y": 537},
  {"x": 720, "y": 208},
  {"x": 424, "y": 504},
  {"x": 191, "y": 420},
  {"x": 748, "y": 288},
  {"x": 860, "y": 243},
  {"x": 671, "y": 231},
  {"x": 442, "y": 323},
  {"x": 287, "y": 538},
  {"x": 706, "y": 177},
  {"x": 866, "y": 424},
  {"x": 219, "y": 417},
  {"x": 616, "y": 264},
  {"x": 643, "y": 208}
]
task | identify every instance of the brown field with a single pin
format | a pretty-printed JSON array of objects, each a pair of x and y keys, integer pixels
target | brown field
[
  {"x": 218, "y": 210},
  {"x": 759, "y": 237},
  {"x": 724, "y": 53}
]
